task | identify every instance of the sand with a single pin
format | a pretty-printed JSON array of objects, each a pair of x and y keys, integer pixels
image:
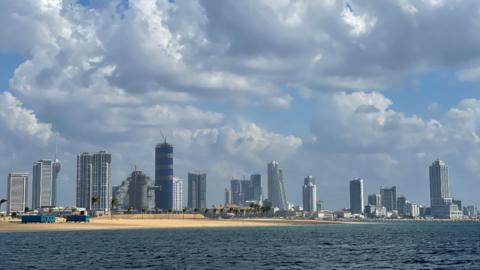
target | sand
[{"x": 150, "y": 222}]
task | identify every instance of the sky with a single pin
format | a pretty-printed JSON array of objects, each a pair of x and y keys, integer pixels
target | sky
[{"x": 333, "y": 89}]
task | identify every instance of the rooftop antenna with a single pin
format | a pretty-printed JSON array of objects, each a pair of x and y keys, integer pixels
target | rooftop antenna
[
  {"x": 56, "y": 151},
  {"x": 163, "y": 136}
]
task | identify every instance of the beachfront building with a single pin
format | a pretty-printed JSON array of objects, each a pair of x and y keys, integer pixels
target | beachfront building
[
  {"x": 17, "y": 190},
  {"x": 356, "y": 196},
  {"x": 389, "y": 198},
  {"x": 177, "y": 194},
  {"x": 441, "y": 204},
  {"x": 309, "y": 194},
  {"x": 42, "y": 184},
  {"x": 197, "y": 191},
  {"x": 164, "y": 176},
  {"x": 94, "y": 183},
  {"x": 276, "y": 188}
]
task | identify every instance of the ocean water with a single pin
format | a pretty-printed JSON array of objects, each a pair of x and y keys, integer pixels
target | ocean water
[{"x": 400, "y": 245}]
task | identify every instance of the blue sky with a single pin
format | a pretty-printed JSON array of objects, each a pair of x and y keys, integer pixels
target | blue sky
[{"x": 377, "y": 91}]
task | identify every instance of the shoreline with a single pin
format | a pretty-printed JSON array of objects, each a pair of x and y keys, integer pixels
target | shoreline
[{"x": 173, "y": 223}]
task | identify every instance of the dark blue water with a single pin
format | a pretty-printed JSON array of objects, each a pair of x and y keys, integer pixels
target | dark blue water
[{"x": 422, "y": 245}]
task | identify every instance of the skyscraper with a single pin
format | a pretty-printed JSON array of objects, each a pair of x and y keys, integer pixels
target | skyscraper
[
  {"x": 227, "y": 197},
  {"x": 138, "y": 190},
  {"x": 84, "y": 180},
  {"x": 402, "y": 205},
  {"x": 197, "y": 191},
  {"x": 276, "y": 189},
  {"x": 256, "y": 180},
  {"x": 246, "y": 191},
  {"x": 164, "y": 176},
  {"x": 356, "y": 196},
  {"x": 94, "y": 181},
  {"x": 56, "y": 170},
  {"x": 17, "y": 190},
  {"x": 236, "y": 192},
  {"x": 42, "y": 183},
  {"x": 177, "y": 194},
  {"x": 389, "y": 198},
  {"x": 375, "y": 200},
  {"x": 440, "y": 201},
  {"x": 309, "y": 194}
]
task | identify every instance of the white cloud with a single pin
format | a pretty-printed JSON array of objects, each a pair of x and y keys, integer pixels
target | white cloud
[{"x": 20, "y": 121}]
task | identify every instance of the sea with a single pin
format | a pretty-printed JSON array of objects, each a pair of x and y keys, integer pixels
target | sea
[{"x": 390, "y": 245}]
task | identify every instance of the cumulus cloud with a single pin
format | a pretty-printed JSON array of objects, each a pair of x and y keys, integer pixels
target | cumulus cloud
[{"x": 22, "y": 122}]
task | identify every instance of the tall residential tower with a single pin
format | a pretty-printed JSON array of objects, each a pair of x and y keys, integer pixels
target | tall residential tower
[
  {"x": 440, "y": 201},
  {"x": 356, "y": 196},
  {"x": 276, "y": 189},
  {"x": 42, "y": 186},
  {"x": 17, "y": 190},
  {"x": 197, "y": 191},
  {"x": 164, "y": 176},
  {"x": 309, "y": 194},
  {"x": 94, "y": 181}
]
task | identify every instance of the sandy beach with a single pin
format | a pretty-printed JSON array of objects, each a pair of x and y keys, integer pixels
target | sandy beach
[{"x": 124, "y": 223}]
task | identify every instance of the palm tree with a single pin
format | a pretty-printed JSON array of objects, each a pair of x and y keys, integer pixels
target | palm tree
[
  {"x": 183, "y": 212},
  {"x": 114, "y": 204},
  {"x": 94, "y": 200},
  {"x": 2, "y": 201}
]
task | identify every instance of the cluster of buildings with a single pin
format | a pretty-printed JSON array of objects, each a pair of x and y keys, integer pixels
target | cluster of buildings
[
  {"x": 387, "y": 204},
  {"x": 138, "y": 192},
  {"x": 44, "y": 186}
]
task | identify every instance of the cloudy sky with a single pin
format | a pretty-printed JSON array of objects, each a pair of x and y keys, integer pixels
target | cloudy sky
[{"x": 333, "y": 89}]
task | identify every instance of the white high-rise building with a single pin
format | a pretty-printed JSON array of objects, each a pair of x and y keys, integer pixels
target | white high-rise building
[
  {"x": 309, "y": 194},
  {"x": 441, "y": 204},
  {"x": 276, "y": 189},
  {"x": 94, "y": 181},
  {"x": 42, "y": 186},
  {"x": 177, "y": 194},
  {"x": 356, "y": 196},
  {"x": 17, "y": 190}
]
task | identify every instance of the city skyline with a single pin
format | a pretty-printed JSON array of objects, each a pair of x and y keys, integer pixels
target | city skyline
[{"x": 388, "y": 196}]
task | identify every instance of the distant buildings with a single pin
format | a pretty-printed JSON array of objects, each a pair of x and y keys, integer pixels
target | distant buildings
[
  {"x": 375, "y": 200},
  {"x": 42, "y": 184},
  {"x": 276, "y": 189},
  {"x": 94, "y": 181},
  {"x": 164, "y": 176},
  {"x": 389, "y": 198},
  {"x": 197, "y": 191},
  {"x": 441, "y": 204},
  {"x": 356, "y": 196},
  {"x": 17, "y": 190},
  {"x": 177, "y": 194},
  {"x": 244, "y": 191},
  {"x": 309, "y": 194}
]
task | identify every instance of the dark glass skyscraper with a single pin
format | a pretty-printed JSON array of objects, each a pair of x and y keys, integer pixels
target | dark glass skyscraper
[{"x": 164, "y": 176}]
